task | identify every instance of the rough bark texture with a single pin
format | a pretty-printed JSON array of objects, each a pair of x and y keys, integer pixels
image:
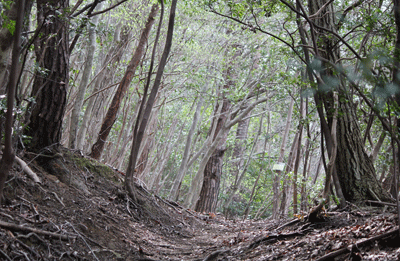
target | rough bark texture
[
  {"x": 111, "y": 115},
  {"x": 8, "y": 156},
  {"x": 212, "y": 178},
  {"x": 354, "y": 168},
  {"x": 208, "y": 198},
  {"x": 51, "y": 80},
  {"x": 103, "y": 78},
  {"x": 212, "y": 173}
]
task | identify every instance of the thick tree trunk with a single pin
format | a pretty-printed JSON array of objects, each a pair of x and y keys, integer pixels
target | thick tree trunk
[
  {"x": 51, "y": 82},
  {"x": 212, "y": 178},
  {"x": 207, "y": 201},
  {"x": 355, "y": 170},
  {"x": 111, "y": 115}
]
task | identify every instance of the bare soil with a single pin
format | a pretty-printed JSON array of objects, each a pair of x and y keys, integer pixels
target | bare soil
[{"x": 80, "y": 211}]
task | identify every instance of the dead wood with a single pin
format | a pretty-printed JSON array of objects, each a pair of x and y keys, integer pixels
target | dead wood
[
  {"x": 381, "y": 203},
  {"x": 358, "y": 244},
  {"x": 295, "y": 221},
  {"x": 273, "y": 238},
  {"x": 28, "y": 171},
  {"x": 16, "y": 227}
]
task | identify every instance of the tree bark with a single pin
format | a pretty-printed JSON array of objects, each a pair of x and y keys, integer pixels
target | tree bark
[
  {"x": 207, "y": 201},
  {"x": 354, "y": 168},
  {"x": 275, "y": 203},
  {"x": 91, "y": 46},
  {"x": 6, "y": 46},
  {"x": 112, "y": 112},
  {"x": 101, "y": 80},
  {"x": 146, "y": 107},
  {"x": 7, "y": 159},
  {"x": 174, "y": 194},
  {"x": 51, "y": 79}
]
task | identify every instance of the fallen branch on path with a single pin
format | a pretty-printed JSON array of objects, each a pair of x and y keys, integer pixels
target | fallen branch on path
[
  {"x": 15, "y": 227},
  {"x": 273, "y": 238},
  {"x": 28, "y": 171},
  {"x": 346, "y": 250},
  {"x": 381, "y": 203}
]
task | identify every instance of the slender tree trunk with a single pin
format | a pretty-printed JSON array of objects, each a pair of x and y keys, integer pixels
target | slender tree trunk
[
  {"x": 286, "y": 188},
  {"x": 305, "y": 166},
  {"x": 275, "y": 204},
  {"x": 260, "y": 171},
  {"x": 112, "y": 112},
  {"x": 142, "y": 119},
  {"x": 49, "y": 90},
  {"x": 100, "y": 80},
  {"x": 174, "y": 194},
  {"x": 297, "y": 161},
  {"x": 7, "y": 159},
  {"x": 6, "y": 46},
  {"x": 91, "y": 46}
]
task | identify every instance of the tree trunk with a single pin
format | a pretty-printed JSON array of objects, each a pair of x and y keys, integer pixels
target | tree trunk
[
  {"x": 354, "y": 168},
  {"x": 260, "y": 171},
  {"x": 112, "y": 112},
  {"x": 297, "y": 161},
  {"x": 8, "y": 156},
  {"x": 238, "y": 160},
  {"x": 51, "y": 81},
  {"x": 213, "y": 170},
  {"x": 91, "y": 46},
  {"x": 104, "y": 70},
  {"x": 174, "y": 194},
  {"x": 275, "y": 203},
  {"x": 146, "y": 107},
  {"x": 286, "y": 188}
]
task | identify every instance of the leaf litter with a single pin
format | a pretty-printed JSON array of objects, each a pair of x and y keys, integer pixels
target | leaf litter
[{"x": 58, "y": 221}]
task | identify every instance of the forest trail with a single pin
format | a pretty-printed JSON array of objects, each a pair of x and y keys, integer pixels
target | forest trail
[{"x": 92, "y": 219}]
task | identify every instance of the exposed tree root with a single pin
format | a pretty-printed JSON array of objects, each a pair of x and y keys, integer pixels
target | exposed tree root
[
  {"x": 16, "y": 227},
  {"x": 28, "y": 171},
  {"x": 358, "y": 244}
]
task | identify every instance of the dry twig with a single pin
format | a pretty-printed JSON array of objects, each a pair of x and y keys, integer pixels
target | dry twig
[{"x": 16, "y": 227}]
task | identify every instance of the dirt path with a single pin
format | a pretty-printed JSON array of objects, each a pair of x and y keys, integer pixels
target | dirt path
[{"x": 92, "y": 219}]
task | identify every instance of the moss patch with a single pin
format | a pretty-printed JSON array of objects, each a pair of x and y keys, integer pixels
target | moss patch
[{"x": 94, "y": 167}]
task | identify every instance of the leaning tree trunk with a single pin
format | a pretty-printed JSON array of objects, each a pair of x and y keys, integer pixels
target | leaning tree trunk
[
  {"x": 111, "y": 115},
  {"x": 91, "y": 47},
  {"x": 51, "y": 81},
  {"x": 353, "y": 166}
]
